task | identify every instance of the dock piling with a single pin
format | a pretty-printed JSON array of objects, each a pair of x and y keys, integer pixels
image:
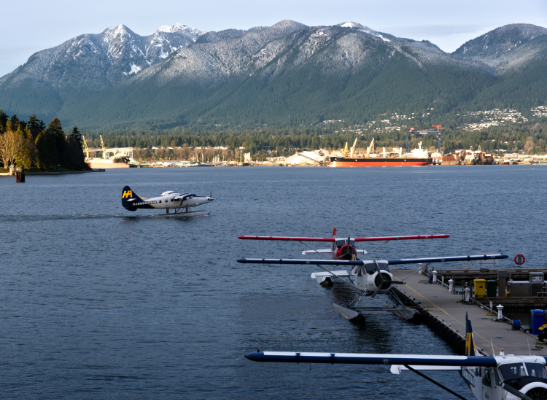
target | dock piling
[
  {"x": 20, "y": 174},
  {"x": 500, "y": 312}
]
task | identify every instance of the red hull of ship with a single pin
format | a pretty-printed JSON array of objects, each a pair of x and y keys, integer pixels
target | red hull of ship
[
  {"x": 378, "y": 162},
  {"x": 99, "y": 165}
]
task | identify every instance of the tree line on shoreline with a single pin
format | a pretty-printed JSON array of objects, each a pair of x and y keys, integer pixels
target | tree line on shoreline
[
  {"x": 32, "y": 144},
  {"x": 531, "y": 139}
]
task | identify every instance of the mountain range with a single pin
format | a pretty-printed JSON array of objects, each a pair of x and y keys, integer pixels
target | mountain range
[{"x": 285, "y": 73}]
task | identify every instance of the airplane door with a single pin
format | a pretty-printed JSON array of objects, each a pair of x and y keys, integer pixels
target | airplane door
[
  {"x": 361, "y": 278},
  {"x": 491, "y": 385},
  {"x": 487, "y": 383}
]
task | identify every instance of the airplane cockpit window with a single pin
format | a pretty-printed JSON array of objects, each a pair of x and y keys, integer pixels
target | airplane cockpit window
[
  {"x": 342, "y": 242},
  {"x": 512, "y": 371},
  {"x": 536, "y": 370}
]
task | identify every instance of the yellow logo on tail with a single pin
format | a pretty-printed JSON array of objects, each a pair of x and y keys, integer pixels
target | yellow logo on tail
[{"x": 127, "y": 193}]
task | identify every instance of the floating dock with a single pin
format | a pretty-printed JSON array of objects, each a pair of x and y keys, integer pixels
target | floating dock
[{"x": 445, "y": 313}]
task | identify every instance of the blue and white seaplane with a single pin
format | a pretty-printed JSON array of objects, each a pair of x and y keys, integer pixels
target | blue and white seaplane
[
  {"x": 368, "y": 277},
  {"x": 166, "y": 201},
  {"x": 501, "y": 377}
]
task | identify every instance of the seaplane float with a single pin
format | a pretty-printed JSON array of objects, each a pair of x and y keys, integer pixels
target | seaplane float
[
  {"x": 368, "y": 277},
  {"x": 166, "y": 201},
  {"x": 495, "y": 377}
]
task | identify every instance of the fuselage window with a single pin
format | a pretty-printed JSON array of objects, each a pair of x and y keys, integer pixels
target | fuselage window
[
  {"x": 512, "y": 371},
  {"x": 536, "y": 370}
]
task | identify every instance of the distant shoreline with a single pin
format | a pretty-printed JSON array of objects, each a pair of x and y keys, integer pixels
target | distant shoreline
[{"x": 50, "y": 173}]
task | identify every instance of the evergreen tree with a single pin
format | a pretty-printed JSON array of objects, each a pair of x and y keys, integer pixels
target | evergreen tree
[
  {"x": 56, "y": 132},
  {"x": 33, "y": 152},
  {"x": 42, "y": 160},
  {"x": 14, "y": 122},
  {"x": 75, "y": 133},
  {"x": 47, "y": 150},
  {"x": 25, "y": 153},
  {"x": 36, "y": 126},
  {"x": 3, "y": 121},
  {"x": 76, "y": 154}
]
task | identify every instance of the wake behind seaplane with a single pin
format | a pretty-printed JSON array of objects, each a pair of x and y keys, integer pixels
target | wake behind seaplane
[
  {"x": 368, "y": 277},
  {"x": 167, "y": 200},
  {"x": 503, "y": 377}
]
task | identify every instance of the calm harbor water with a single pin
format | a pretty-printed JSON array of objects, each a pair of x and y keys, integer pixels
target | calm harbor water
[{"x": 97, "y": 302}]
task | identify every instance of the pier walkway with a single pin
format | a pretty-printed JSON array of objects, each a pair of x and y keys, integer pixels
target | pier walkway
[{"x": 449, "y": 309}]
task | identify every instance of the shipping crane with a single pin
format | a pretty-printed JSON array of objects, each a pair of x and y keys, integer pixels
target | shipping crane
[
  {"x": 437, "y": 132},
  {"x": 352, "y": 148},
  {"x": 86, "y": 149},
  {"x": 103, "y": 147}
]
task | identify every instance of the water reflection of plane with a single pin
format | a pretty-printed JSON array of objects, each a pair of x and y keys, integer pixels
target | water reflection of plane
[{"x": 368, "y": 277}]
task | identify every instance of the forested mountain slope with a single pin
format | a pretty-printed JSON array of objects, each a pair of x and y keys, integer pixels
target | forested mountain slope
[{"x": 274, "y": 75}]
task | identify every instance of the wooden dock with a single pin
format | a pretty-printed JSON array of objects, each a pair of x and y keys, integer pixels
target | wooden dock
[{"x": 447, "y": 309}]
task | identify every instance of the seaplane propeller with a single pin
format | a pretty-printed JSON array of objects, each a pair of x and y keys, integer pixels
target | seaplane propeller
[{"x": 346, "y": 251}]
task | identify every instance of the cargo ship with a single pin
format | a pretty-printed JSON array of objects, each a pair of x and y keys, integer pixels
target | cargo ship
[
  {"x": 106, "y": 163},
  {"x": 122, "y": 157},
  {"x": 396, "y": 158}
]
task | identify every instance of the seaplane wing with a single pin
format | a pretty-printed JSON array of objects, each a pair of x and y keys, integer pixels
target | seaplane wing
[
  {"x": 491, "y": 377},
  {"x": 333, "y": 239},
  {"x": 385, "y": 359},
  {"x": 448, "y": 259},
  {"x": 361, "y": 262}
]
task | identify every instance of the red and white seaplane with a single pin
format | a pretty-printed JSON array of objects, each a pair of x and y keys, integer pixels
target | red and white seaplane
[{"x": 368, "y": 277}]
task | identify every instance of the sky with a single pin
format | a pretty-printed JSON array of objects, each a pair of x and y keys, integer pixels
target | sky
[{"x": 34, "y": 25}]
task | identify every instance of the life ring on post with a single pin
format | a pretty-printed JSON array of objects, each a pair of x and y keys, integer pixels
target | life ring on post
[{"x": 519, "y": 259}]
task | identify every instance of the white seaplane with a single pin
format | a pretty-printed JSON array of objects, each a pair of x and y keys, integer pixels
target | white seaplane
[
  {"x": 167, "y": 200},
  {"x": 368, "y": 277},
  {"x": 501, "y": 377}
]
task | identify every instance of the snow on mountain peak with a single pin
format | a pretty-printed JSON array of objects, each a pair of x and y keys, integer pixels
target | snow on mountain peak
[
  {"x": 179, "y": 28},
  {"x": 363, "y": 29},
  {"x": 121, "y": 30},
  {"x": 374, "y": 33},
  {"x": 351, "y": 25},
  {"x": 166, "y": 28}
]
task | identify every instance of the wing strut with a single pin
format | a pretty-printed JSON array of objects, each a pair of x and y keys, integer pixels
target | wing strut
[{"x": 435, "y": 382}]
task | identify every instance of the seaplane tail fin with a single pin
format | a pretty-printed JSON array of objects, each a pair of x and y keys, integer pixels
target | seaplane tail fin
[
  {"x": 127, "y": 194},
  {"x": 470, "y": 348}
]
